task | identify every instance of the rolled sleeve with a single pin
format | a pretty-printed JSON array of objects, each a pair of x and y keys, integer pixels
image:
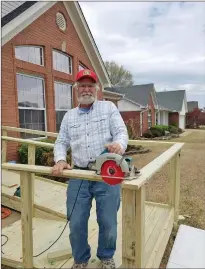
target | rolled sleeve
[{"x": 118, "y": 127}]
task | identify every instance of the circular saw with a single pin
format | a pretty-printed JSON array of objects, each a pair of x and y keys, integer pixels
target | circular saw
[{"x": 114, "y": 168}]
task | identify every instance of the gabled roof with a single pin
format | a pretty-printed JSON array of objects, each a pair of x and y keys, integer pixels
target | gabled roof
[
  {"x": 140, "y": 94},
  {"x": 172, "y": 100},
  {"x": 191, "y": 105},
  {"x": 16, "y": 16}
]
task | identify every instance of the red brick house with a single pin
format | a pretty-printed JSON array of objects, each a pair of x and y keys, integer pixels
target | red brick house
[
  {"x": 44, "y": 44},
  {"x": 139, "y": 103}
]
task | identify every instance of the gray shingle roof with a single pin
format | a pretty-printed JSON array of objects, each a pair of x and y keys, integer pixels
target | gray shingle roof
[
  {"x": 172, "y": 100},
  {"x": 191, "y": 105},
  {"x": 137, "y": 93}
]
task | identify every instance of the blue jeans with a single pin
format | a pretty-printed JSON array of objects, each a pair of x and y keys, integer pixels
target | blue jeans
[{"x": 107, "y": 204}]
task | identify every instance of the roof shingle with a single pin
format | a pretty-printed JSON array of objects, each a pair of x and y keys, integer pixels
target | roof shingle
[{"x": 172, "y": 100}]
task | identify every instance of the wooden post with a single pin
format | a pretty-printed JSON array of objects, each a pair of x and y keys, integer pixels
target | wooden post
[
  {"x": 31, "y": 160},
  {"x": 26, "y": 219},
  {"x": 4, "y": 147},
  {"x": 174, "y": 190},
  {"x": 133, "y": 228}
]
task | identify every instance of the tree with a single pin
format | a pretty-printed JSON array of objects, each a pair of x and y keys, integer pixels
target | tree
[{"x": 119, "y": 76}]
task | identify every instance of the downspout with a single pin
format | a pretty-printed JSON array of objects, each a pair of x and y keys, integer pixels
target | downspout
[{"x": 141, "y": 119}]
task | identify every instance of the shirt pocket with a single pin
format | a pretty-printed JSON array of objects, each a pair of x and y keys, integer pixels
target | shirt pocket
[
  {"x": 75, "y": 130},
  {"x": 100, "y": 124}
]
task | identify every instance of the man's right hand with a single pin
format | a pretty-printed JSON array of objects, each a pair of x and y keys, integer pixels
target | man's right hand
[{"x": 59, "y": 167}]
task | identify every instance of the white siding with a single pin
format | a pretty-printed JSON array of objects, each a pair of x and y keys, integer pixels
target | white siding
[
  {"x": 7, "y": 6},
  {"x": 183, "y": 111},
  {"x": 163, "y": 118},
  {"x": 182, "y": 121},
  {"x": 124, "y": 105}
]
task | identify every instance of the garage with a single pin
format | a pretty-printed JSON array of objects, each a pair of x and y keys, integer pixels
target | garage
[{"x": 182, "y": 121}]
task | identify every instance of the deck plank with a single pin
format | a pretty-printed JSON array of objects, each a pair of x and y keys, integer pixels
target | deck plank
[{"x": 46, "y": 231}]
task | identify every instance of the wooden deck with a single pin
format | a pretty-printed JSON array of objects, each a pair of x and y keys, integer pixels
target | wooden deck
[
  {"x": 49, "y": 195},
  {"x": 45, "y": 232}
]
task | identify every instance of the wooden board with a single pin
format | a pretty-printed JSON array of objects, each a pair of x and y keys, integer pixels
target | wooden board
[
  {"x": 49, "y": 195},
  {"x": 46, "y": 231}
]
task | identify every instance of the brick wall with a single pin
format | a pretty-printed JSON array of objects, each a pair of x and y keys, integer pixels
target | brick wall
[
  {"x": 145, "y": 116},
  {"x": 135, "y": 116},
  {"x": 174, "y": 118},
  {"x": 43, "y": 32}
]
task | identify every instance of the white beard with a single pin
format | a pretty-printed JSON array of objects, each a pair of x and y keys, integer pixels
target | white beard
[{"x": 86, "y": 100}]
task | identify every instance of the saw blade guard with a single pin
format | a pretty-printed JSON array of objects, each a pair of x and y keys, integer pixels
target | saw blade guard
[
  {"x": 111, "y": 157},
  {"x": 112, "y": 162}
]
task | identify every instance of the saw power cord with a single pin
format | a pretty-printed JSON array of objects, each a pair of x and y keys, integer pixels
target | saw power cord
[{"x": 62, "y": 230}]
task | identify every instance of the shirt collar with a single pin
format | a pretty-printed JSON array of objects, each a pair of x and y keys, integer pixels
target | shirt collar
[{"x": 92, "y": 107}]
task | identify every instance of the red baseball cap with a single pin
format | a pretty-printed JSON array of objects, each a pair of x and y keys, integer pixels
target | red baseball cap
[{"x": 86, "y": 73}]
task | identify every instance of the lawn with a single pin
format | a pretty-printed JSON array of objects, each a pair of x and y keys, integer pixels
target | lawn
[{"x": 192, "y": 198}]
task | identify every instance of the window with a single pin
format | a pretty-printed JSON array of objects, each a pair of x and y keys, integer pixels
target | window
[
  {"x": 62, "y": 62},
  {"x": 81, "y": 67},
  {"x": 31, "y": 54},
  {"x": 31, "y": 103},
  {"x": 149, "y": 119},
  {"x": 63, "y": 101}
]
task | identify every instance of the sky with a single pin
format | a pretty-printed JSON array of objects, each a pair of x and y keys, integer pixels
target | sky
[{"x": 158, "y": 42}]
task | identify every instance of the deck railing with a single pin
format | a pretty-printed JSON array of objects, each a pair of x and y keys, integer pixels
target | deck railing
[{"x": 134, "y": 247}]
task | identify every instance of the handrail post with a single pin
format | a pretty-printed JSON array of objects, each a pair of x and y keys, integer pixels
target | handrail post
[
  {"x": 4, "y": 147},
  {"x": 26, "y": 219},
  {"x": 31, "y": 160},
  {"x": 174, "y": 189},
  {"x": 133, "y": 228}
]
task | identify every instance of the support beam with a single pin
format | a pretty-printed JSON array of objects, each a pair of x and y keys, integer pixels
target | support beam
[
  {"x": 26, "y": 219},
  {"x": 133, "y": 226},
  {"x": 31, "y": 160},
  {"x": 174, "y": 188},
  {"x": 4, "y": 147}
]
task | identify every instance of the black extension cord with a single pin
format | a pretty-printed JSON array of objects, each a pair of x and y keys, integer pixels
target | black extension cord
[{"x": 61, "y": 232}]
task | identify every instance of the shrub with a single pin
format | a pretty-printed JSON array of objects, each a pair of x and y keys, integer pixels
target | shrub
[
  {"x": 173, "y": 129},
  {"x": 156, "y": 132},
  {"x": 148, "y": 134},
  {"x": 44, "y": 156}
]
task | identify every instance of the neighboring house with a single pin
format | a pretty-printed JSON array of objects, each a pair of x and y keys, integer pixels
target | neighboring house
[
  {"x": 44, "y": 44},
  {"x": 192, "y": 105},
  {"x": 139, "y": 104},
  {"x": 112, "y": 96},
  {"x": 176, "y": 102},
  {"x": 195, "y": 116}
]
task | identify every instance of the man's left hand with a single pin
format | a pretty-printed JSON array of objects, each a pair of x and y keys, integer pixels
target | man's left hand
[{"x": 115, "y": 148}]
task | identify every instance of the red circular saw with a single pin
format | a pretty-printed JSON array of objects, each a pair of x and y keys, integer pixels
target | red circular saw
[
  {"x": 111, "y": 173},
  {"x": 112, "y": 167}
]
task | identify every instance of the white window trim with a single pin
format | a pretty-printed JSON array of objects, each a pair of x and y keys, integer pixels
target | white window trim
[
  {"x": 20, "y": 46},
  {"x": 45, "y": 109},
  {"x": 67, "y": 55},
  {"x": 64, "y": 83}
]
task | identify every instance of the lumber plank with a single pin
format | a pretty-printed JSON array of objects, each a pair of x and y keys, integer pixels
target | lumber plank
[
  {"x": 27, "y": 141},
  {"x": 26, "y": 219},
  {"x": 160, "y": 245},
  {"x": 59, "y": 255},
  {"x": 153, "y": 167},
  {"x": 28, "y": 131}
]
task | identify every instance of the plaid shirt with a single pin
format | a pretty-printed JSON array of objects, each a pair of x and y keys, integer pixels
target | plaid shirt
[{"x": 86, "y": 133}]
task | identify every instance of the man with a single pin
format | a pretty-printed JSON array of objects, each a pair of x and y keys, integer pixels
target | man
[{"x": 87, "y": 129}]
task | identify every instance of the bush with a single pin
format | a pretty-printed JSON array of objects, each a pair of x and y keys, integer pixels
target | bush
[
  {"x": 157, "y": 132},
  {"x": 44, "y": 156},
  {"x": 173, "y": 129},
  {"x": 180, "y": 130},
  {"x": 148, "y": 134}
]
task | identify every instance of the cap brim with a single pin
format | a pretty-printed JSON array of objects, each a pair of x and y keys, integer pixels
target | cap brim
[{"x": 87, "y": 76}]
